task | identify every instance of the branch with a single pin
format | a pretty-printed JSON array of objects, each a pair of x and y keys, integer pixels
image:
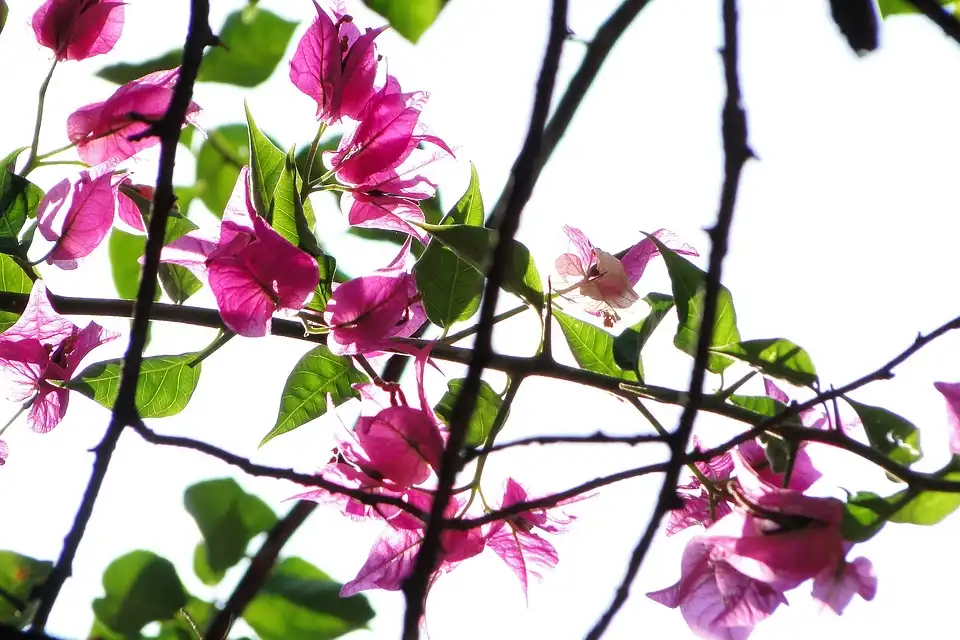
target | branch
[
  {"x": 167, "y": 129},
  {"x": 736, "y": 153},
  {"x": 596, "y": 54},
  {"x": 596, "y": 438},
  {"x": 943, "y": 18},
  {"x": 259, "y": 570},
  {"x": 519, "y": 188}
]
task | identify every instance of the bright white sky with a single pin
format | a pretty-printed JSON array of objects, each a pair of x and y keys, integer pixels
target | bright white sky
[{"x": 843, "y": 242}]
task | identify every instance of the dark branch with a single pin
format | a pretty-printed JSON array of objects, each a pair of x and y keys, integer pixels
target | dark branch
[
  {"x": 736, "y": 153},
  {"x": 939, "y": 15},
  {"x": 125, "y": 411},
  {"x": 259, "y": 570},
  {"x": 596, "y": 438},
  {"x": 519, "y": 189}
]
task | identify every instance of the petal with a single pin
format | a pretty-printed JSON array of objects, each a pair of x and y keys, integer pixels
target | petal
[
  {"x": 4, "y": 452},
  {"x": 87, "y": 222},
  {"x": 525, "y": 553},
  {"x": 48, "y": 409},
  {"x": 835, "y": 589},
  {"x": 39, "y": 321},
  {"x": 383, "y": 212},
  {"x": 390, "y": 562},
  {"x": 583, "y": 247},
  {"x": 289, "y": 273},
  {"x": 245, "y": 307},
  {"x": 636, "y": 259},
  {"x": 316, "y": 65},
  {"x": 403, "y": 444},
  {"x": 355, "y": 86},
  {"x": 951, "y": 393},
  {"x": 22, "y": 363},
  {"x": 89, "y": 338}
]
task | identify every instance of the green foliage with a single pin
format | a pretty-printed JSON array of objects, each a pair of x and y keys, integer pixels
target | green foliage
[
  {"x": 763, "y": 405},
  {"x": 219, "y": 160},
  {"x": 893, "y": 436},
  {"x": 19, "y": 576},
  {"x": 228, "y": 518},
  {"x": 13, "y": 279},
  {"x": 689, "y": 290},
  {"x": 19, "y": 199},
  {"x": 254, "y": 43},
  {"x": 164, "y": 388},
  {"x": 410, "y": 18},
  {"x": 451, "y": 287},
  {"x": 776, "y": 357},
  {"x": 592, "y": 347},
  {"x": 474, "y": 246},
  {"x": 865, "y": 514},
  {"x": 266, "y": 164},
  {"x": 318, "y": 374},
  {"x": 629, "y": 344},
  {"x": 301, "y": 602},
  {"x": 484, "y": 414},
  {"x": 177, "y": 282},
  {"x": 125, "y": 250},
  {"x": 328, "y": 269},
  {"x": 140, "y": 587},
  {"x": 125, "y": 72}
]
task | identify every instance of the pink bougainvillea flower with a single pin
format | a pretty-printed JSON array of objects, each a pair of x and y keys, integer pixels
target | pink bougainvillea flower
[
  {"x": 516, "y": 540},
  {"x": 128, "y": 213},
  {"x": 336, "y": 65},
  {"x": 364, "y": 313},
  {"x": 392, "y": 557},
  {"x": 78, "y": 215},
  {"x": 699, "y": 507},
  {"x": 802, "y": 476},
  {"x": 387, "y": 133},
  {"x": 103, "y": 130},
  {"x": 602, "y": 283},
  {"x": 402, "y": 444},
  {"x": 253, "y": 271},
  {"x": 951, "y": 393},
  {"x": 836, "y": 588},
  {"x": 391, "y": 213},
  {"x": 78, "y": 29},
  {"x": 44, "y": 346},
  {"x": 4, "y": 448}
]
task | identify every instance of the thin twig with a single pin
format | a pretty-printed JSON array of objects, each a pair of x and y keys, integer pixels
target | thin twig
[
  {"x": 940, "y": 16},
  {"x": 199, "y": 36},
  {"x": 593, "y": 58},
  {"x": 596, "y": 438},
  {"x": 259, "y": 570},
  {"x": 520, "y": 187},
  {"x": 736, "y": 153}
]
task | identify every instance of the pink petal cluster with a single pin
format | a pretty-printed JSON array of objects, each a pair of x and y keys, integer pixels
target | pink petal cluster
[
  {"x": 102, "y": 130},
  {"x": 380, "y": 158},
  {"x": 252, "y": 270},
  {"x": 78, "y": 29},
  {"x": 365, "y": 312},
  {"x": 599, "y": 281},
  {"x": 951, "y": 393},
  {"x": 41, "y": 350},
  {"x": 78, "y": 214},
  {"x": 738, "y": 571}
]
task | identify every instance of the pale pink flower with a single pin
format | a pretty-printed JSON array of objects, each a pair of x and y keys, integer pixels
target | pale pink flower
[
  {"x": 103, "y": 130},
  {"x": 600, "y": 282},
  {"x": 336, "y": 65},
  {"x": 77, "y": 215},
  {"x": 4, "y": 452},
  {"x": 951, "y": 393},
  {"x": 44, "y": 346},
  {"x": 253, "y": 271},
  {"x": 78, "y": 29},
  {"x": 835, "y": 588}
]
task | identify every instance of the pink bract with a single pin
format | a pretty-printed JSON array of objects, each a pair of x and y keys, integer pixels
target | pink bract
[
  {"x": 4, "y": 452},
  {"x": 103, "y": 130},
  {"x": 336, "y": 66},
  {"x": 698, "y": 509},
  {"x": 836, "y": 588},
  {"x": 42, "y": 346},
  {"x": 128, "y": 212},
  {"x": 78, "y": 29},
  {"x": 951, "y": 393},
  {"x": 253, "y": 271},
  {"x": 402, "y": 444},
  {"x": 78, "y": 215}
]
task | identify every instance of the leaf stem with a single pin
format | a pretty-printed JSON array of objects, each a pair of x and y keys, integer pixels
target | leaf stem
[
  {"x": 32, "y": 158},
  {"x": 26, "y": 405}
]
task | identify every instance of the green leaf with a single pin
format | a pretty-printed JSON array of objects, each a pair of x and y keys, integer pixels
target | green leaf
[
  {"x": 140, "y": 587},
  {"x": 228, "y": 518},
  {"x": 894, "y": 7},
  {"x": 19, "y": 576},
  {"x": 628, "y": 346},
  {"x": 410, "y": 18},
  {"x": 125, "y": 252},
  {"x": 13, "y": 279},
  {"x": 318, "y": 374},
  {"x": 474, "y": 246},
  {"x": 202, "y": 569},
  {"x": 689, "y": 283},
  {"x": 328, "y": 269},
  {"x": 164, "y": 388},
  {"x": 266, "y": 164},
  {"x": 9, "y": 161},
  {"x": 201, "y": 614},
  {"x": 592, "y": 347},
  {"x": 19, "y": 199},
  {"x": 929, "y": 507},
  {"x": 255, "y": 40},
  {"x": 329, "y": 143},
  {"x": 219, "y": 160},
  {"x": 178, "y": 283},
  {"x": 864, "y": 515},
  {"x": 893, "y": 436},
  {"x": 301, "y": 602},
  {"x": 291, "y": 219},
  {"x": 451, "y": 287},
  {"x": 763, "y": 405},
  {"x": 776, "y": 357},
  {"x": 126, "y": 72},
  {"x": 484, "y": 414}
]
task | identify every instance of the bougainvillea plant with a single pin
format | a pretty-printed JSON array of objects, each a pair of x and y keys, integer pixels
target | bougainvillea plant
[{"x": 411, "y": 462}]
